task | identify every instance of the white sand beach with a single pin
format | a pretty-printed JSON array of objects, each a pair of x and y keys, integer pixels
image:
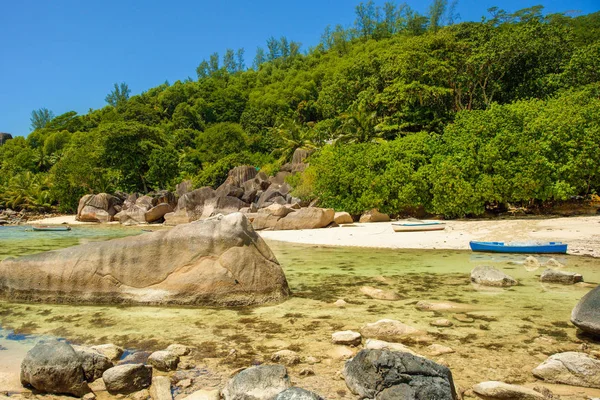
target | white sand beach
[{"x": 581, "y": 233}]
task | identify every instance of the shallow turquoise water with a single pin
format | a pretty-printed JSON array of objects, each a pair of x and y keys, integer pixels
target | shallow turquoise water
[{"x": 498, "y": 334}]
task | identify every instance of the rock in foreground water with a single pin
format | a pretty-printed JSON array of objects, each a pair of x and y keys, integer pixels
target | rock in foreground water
[
  {"x": 54, "y": 367},
  {"x": 295, "y": 393},
  {"x": 570, "y": 368},
  {"x": 220, "y": 261},
  {"x": 263, "y": 382},
  {"x": 385, "y": 374},
  {"x": 499, "y": 390},
  {"x": 490, "y": 276},
  {"x": 93, "y": 362},
  {"x": 586, "y": 314},
  {"x": 560, "y": 277},
  {"x": 128, "y": 378}
]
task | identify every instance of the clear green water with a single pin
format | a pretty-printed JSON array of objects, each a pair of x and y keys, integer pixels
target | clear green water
[{"x": 498, "y": 334}]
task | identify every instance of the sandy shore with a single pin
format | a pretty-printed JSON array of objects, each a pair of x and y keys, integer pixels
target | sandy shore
[
  {"x": 63, "y": 219},
  {"x": 581, "y": 233}
]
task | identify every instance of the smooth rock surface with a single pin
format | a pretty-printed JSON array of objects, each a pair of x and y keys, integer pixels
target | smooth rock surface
[
  {"x": 54, "y": 367},
  {"x": 384, "y": 374},
  {"x": 110, "y": 350},
  {"x": 348, "y": 338},
  {"x": 342, "y": 218},
  {"x": 374, "y": 216},
  {"x": 164, "y": 360},
  {"x": 490, "y": 276},
  {"x": 306, "y": 218},
  {"x": 570, "y": 368},
  {"x": 263, "y": 382},
  {"x": 561, "y": 277},
  {"x": 503, "y": 391},
  {"x": 161, "y": 388},
  {"x": 220, "y": 261},
  {"x": 586, "y": 314},
  {"x": 127, "y": 378}
]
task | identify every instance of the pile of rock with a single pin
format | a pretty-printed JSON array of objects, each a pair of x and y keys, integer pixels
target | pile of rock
[{"x": 10, "y": 217}]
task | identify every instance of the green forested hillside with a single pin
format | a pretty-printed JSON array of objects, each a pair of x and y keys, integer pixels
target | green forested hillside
[{"x": 404, "y": 111}]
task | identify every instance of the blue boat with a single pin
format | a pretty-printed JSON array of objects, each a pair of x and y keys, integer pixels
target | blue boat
[{"x": 534, "y": 248}]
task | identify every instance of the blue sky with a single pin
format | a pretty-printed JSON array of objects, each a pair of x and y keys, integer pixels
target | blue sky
[{"x": 66, "y": 55}]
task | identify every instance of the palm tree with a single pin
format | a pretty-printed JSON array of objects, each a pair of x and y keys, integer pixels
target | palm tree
[
  {"x": 360, "y": 126},
  {"x": 292, "y": 136}
]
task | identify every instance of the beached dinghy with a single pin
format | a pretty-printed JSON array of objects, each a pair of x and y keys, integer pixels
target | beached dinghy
[
  {"x": 51, "y": 228},
  {"x": 534, "y": 248},
  {"x": 418, "y": 226}
]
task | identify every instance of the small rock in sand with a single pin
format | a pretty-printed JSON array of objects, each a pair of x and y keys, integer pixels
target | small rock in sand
[
  {"x": 500, "y": 390},
  {"x": 348, "y": 338},
  {"x": 286, "y": 357},
  {"x": 163, "y": 360},
  {"x": 438, "y": 349},
  {"x": 490, "y": 276},
  {"x": 442, "y": 323},
  {"x": 379, "y": 294},
  {"x": 340, "y": 303}
]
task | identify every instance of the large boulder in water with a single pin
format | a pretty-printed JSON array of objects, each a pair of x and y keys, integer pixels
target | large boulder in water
[
  {"x": 219, "y": 261},
  {"x": 586, "y": 314},
  {"x": 385, "y": 374},
  {"x": 54, "y": 367}
]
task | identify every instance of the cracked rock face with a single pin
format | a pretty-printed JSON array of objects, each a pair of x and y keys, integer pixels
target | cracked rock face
[
  {"x": 219, "y": 261},
  {"x": 385, "y": 374}
]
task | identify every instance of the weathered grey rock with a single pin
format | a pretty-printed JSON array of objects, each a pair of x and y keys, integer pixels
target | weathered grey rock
[
  {"x": 342, "y": 218},
  {"x": 97, "y": 207},
  {"x": 306, "y": 218},
  {"x": 161, "y": 388},
  {"x": 561, "y": 277},
  {"x": 267, "y": 195},
  {"x": 112, "y": 352},
  {"x": 570, "y": 368},
  {"x": 227, "y": 189},
  {"x": 192, "y": 203},
  {"x": 490, "y": 276},
  {"x": 178, "y": 217},
  {"x": 249, "y": 196},
  {"x": 4, "y": 137},
  {"x": 93, "y": 362},
  {"x": 263, "y": 382},
  {"x": 127, "y": 378},
  {"x": 221, "y": 205},
  {"x": 164, "y": 360},
  {"x": 286, "y": 357},
  {"x": 348, "y": 338},
  {"x": 279, "y": 178},
  {"x": 54, "y": 367},
  {"x": 384, "y": 374},
  {"x": 499, "y": 390},
  {"x": 586, "y": 314},
  {"x": 278, "y": 200},
  {"x": 184, "y": 188},
  {"x": 157, "y": 213},
  {"x": 220, "y": 261},
  {"x": 389, "y": 328},
  {"x": 295, "y": 393},
  {"x": 238, "y": 175},
  {"x": 374, "y": 216}
]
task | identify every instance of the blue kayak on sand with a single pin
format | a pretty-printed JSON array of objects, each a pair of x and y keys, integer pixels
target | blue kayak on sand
[{"x": 534, "y": 248}]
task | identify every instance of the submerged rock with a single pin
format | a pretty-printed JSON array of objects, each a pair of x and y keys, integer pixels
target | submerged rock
[
  {"x": 348, "y": 338},
  {"x": 379, "y": 294},
  {"x": 286, "y": 357},
  {"x": 220, "y": 261},
  {"x": 561, "y": 277},
  {"x": 384, "y": 374},
  {"x": 295, "y": 393},
  {"x": 54, "y": 367},
  {"x": 263, "y": 382},
  {"x": 499, "y": 390},
  {"x": 490, "y": 276},
  {"x": 93, "y": 362},
  {"x": 586, "y": 314},
  {"x": 570, "y": 368},
  {"x": 389, "y": 328}
]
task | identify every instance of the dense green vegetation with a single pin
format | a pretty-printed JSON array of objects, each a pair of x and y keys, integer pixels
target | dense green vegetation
[{"x": 405, "y": 111}]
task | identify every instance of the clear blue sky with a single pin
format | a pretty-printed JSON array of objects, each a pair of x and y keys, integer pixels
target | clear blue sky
[{"x": 66, "y": 55}]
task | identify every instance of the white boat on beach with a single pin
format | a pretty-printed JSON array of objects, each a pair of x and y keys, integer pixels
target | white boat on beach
[{"x": 418, "y": 226}]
